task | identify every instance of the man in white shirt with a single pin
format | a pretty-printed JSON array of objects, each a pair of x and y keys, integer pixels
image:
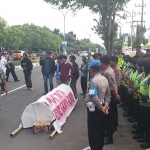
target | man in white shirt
[{"x": 3, "y": 63}]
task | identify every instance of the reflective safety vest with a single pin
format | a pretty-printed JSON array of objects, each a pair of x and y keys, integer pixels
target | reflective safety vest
[
  {"x": 120, "y": 60},
  {"x": 145, "y": 89},
  {"x": 136, "y": 73},
  {"x": 139, "y": 78}
]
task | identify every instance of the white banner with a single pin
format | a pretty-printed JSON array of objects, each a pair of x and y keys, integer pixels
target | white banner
[{"x": 56, "y": 105}]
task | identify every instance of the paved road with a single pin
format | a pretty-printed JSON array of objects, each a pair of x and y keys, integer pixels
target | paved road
[{"x": 74, "y": 136}]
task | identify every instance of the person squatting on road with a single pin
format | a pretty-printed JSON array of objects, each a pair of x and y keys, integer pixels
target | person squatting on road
[
  {"x": 84, "y": 75},
  {"x": 111, "y": 118},
  {"x": 64, "y": 70},
  {"x": 98, "y": 98},
  {"x": 74, "y": 76},
  {"x": 48, "y": 70},
  {"x": 11, "y": 67},
  {"x": 27, "y": 66},
  {"x": 3, "y": 79}
]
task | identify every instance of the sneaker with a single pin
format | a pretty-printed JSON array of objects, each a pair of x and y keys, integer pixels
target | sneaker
[
  {"x": 76, "y": 99},
  {"x": 44, "y": 93},
  {"x": 26, "y": 88},
  {"x": 84, "y": 95},
  {"x": 31, "y": 89}
]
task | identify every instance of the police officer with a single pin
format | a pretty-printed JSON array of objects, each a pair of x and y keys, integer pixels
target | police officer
[
  {"x": 100, "y": 100},
  {"x": 120, "y": 56},
  {"x": 143, "y": 124},
  {"x": 118, "y": 77},
  {"x": 139, "y": 53},
  {"x": 3, "y": 79},
  {"x": 108, "y": 72}
]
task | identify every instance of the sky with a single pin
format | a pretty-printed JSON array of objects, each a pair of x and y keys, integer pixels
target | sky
[{"x": 40, "y": 13}]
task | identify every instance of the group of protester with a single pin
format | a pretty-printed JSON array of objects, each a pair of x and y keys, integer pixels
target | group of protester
[{"x": 105, "y": 82}]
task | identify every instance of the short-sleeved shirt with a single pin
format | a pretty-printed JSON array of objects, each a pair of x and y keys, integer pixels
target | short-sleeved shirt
[
  {"x": 85, "y": 67},
  {"x": 2, "y": 75},
  {"x": 118, "y": 75},
  {"x": 110, "y": 75}
]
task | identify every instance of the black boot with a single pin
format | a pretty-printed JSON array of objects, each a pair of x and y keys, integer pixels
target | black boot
[
  {"x": 145, "y": 146},
  {"x": 108, "y": 140}
]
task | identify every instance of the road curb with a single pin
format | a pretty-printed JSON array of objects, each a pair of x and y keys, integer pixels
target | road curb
[{"x": 20, "y": 68}]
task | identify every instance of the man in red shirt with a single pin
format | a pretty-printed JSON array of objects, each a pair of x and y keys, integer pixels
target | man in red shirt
[{"x": 64, "y": 70}]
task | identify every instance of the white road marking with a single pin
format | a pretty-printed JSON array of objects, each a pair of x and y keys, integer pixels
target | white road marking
[
  {"x": 88, "y": 148},
  {"x": 14, "y": 90}
]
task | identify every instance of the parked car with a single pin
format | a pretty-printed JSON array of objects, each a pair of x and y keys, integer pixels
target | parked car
[
  {"x": 18, "y": 55},
  {"x": 84, "y": 53}
]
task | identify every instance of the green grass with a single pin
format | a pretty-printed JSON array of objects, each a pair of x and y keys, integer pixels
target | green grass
[{"x": 18, "y": 62}]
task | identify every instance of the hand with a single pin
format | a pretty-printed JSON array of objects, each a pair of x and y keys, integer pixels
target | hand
[
  {"x": 6, "y": 90},
  {"x": 25, "y": 68},
  {"x": 8, "y": 67},
  {"x": 118, "y": 97},
  {"x": 105, "y": 110}
]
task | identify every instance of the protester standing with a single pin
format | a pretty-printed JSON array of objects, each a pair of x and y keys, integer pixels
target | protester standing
[
  {"x": 89, "y": 60},
  {"x": 3, "y": 63},
  {"x": 84, "y": 75},
  {"x": 139, "y": 53},
  {"x": 57, "y": 71},
  {"x": 3, "y": 80},
  {"x": 100, "y": 101},
  {"x": 27, "y": 66},
  {"x": 11, "y": 67},
  {"x": 48, "y": 70},
  {"x": 64, "y": 70},
  {"x": 74, "y": 76}
]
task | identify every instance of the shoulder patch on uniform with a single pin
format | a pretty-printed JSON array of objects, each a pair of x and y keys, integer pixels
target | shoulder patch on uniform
[
  {"x": 106, "y": 75},
  {"x": 117, "y": 72}
]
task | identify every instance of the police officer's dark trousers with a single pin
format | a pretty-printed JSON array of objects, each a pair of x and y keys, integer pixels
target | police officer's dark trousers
[
  {"x": 111, "y": 120},
  {"x": 96, "y": 129}
]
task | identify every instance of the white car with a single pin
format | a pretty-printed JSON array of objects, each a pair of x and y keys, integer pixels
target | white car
[{"x": 84, "y": 53}]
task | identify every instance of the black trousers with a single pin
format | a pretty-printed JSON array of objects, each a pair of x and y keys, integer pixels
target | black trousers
[
  {"x": 73, "y": 87},
  {"x": 96, "y": 129},
  {"x": 111, "y": 120},
  {"x": 28, "y": 80},
  {"x": 143, "y": 118},
  {"x": 12, "y": 70},
  {"x": 84, "y": 84}
]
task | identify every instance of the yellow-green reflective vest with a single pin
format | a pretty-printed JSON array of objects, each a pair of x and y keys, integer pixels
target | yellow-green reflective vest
[
  {"x": 144, "y": 89},
  {"x": 139, "y": 78},
  {"x": 120, "y": 60}
]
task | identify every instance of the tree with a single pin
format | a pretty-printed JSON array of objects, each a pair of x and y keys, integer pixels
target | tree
[
  {"x": 107, "y": 9},
  {"x": 3, "y": 25},
  {"x": 13, "y": 37}
]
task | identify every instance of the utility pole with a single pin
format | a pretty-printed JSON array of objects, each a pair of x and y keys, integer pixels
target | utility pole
[
  {"x": 142, "y": 20},
  {"x": 132, "y": 15}
]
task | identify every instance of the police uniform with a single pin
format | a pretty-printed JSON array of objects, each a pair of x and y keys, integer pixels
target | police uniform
[
  {"x": 111, "y": 118},
  {"x": 2, "y": 77},
  {"x": 120, "y": 60},
  {"x": 143, "y": 123},
  {"x": 96, "y": 119}
]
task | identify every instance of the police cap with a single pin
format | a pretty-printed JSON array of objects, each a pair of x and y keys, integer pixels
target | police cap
[{"x": 94, "y": 63}]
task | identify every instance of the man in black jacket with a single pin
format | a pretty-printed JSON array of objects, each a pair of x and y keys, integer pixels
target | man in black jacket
[
  {"x": 48, "y": 70},
  {"x": 27, "y": 66},
  {"x": 75, "y": 76}
]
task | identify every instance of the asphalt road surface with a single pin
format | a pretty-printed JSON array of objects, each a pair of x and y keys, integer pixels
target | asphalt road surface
[{"x": 74, "y": 136}]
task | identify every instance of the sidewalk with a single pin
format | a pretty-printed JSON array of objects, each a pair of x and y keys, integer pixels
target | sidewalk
[{"x": 123, "y": 138}]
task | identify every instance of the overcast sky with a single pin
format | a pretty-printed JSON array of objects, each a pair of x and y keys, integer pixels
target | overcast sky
[{"x": 40, "y": 13}]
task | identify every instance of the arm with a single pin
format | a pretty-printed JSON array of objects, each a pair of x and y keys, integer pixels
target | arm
[
  {"x": 107, "y": 96},
  {"x": 72, "y": 69},
  {"x": 53, "y": 63},
  {"x": 3, "y": 78},
  {"x": 21, "y": 64}
]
